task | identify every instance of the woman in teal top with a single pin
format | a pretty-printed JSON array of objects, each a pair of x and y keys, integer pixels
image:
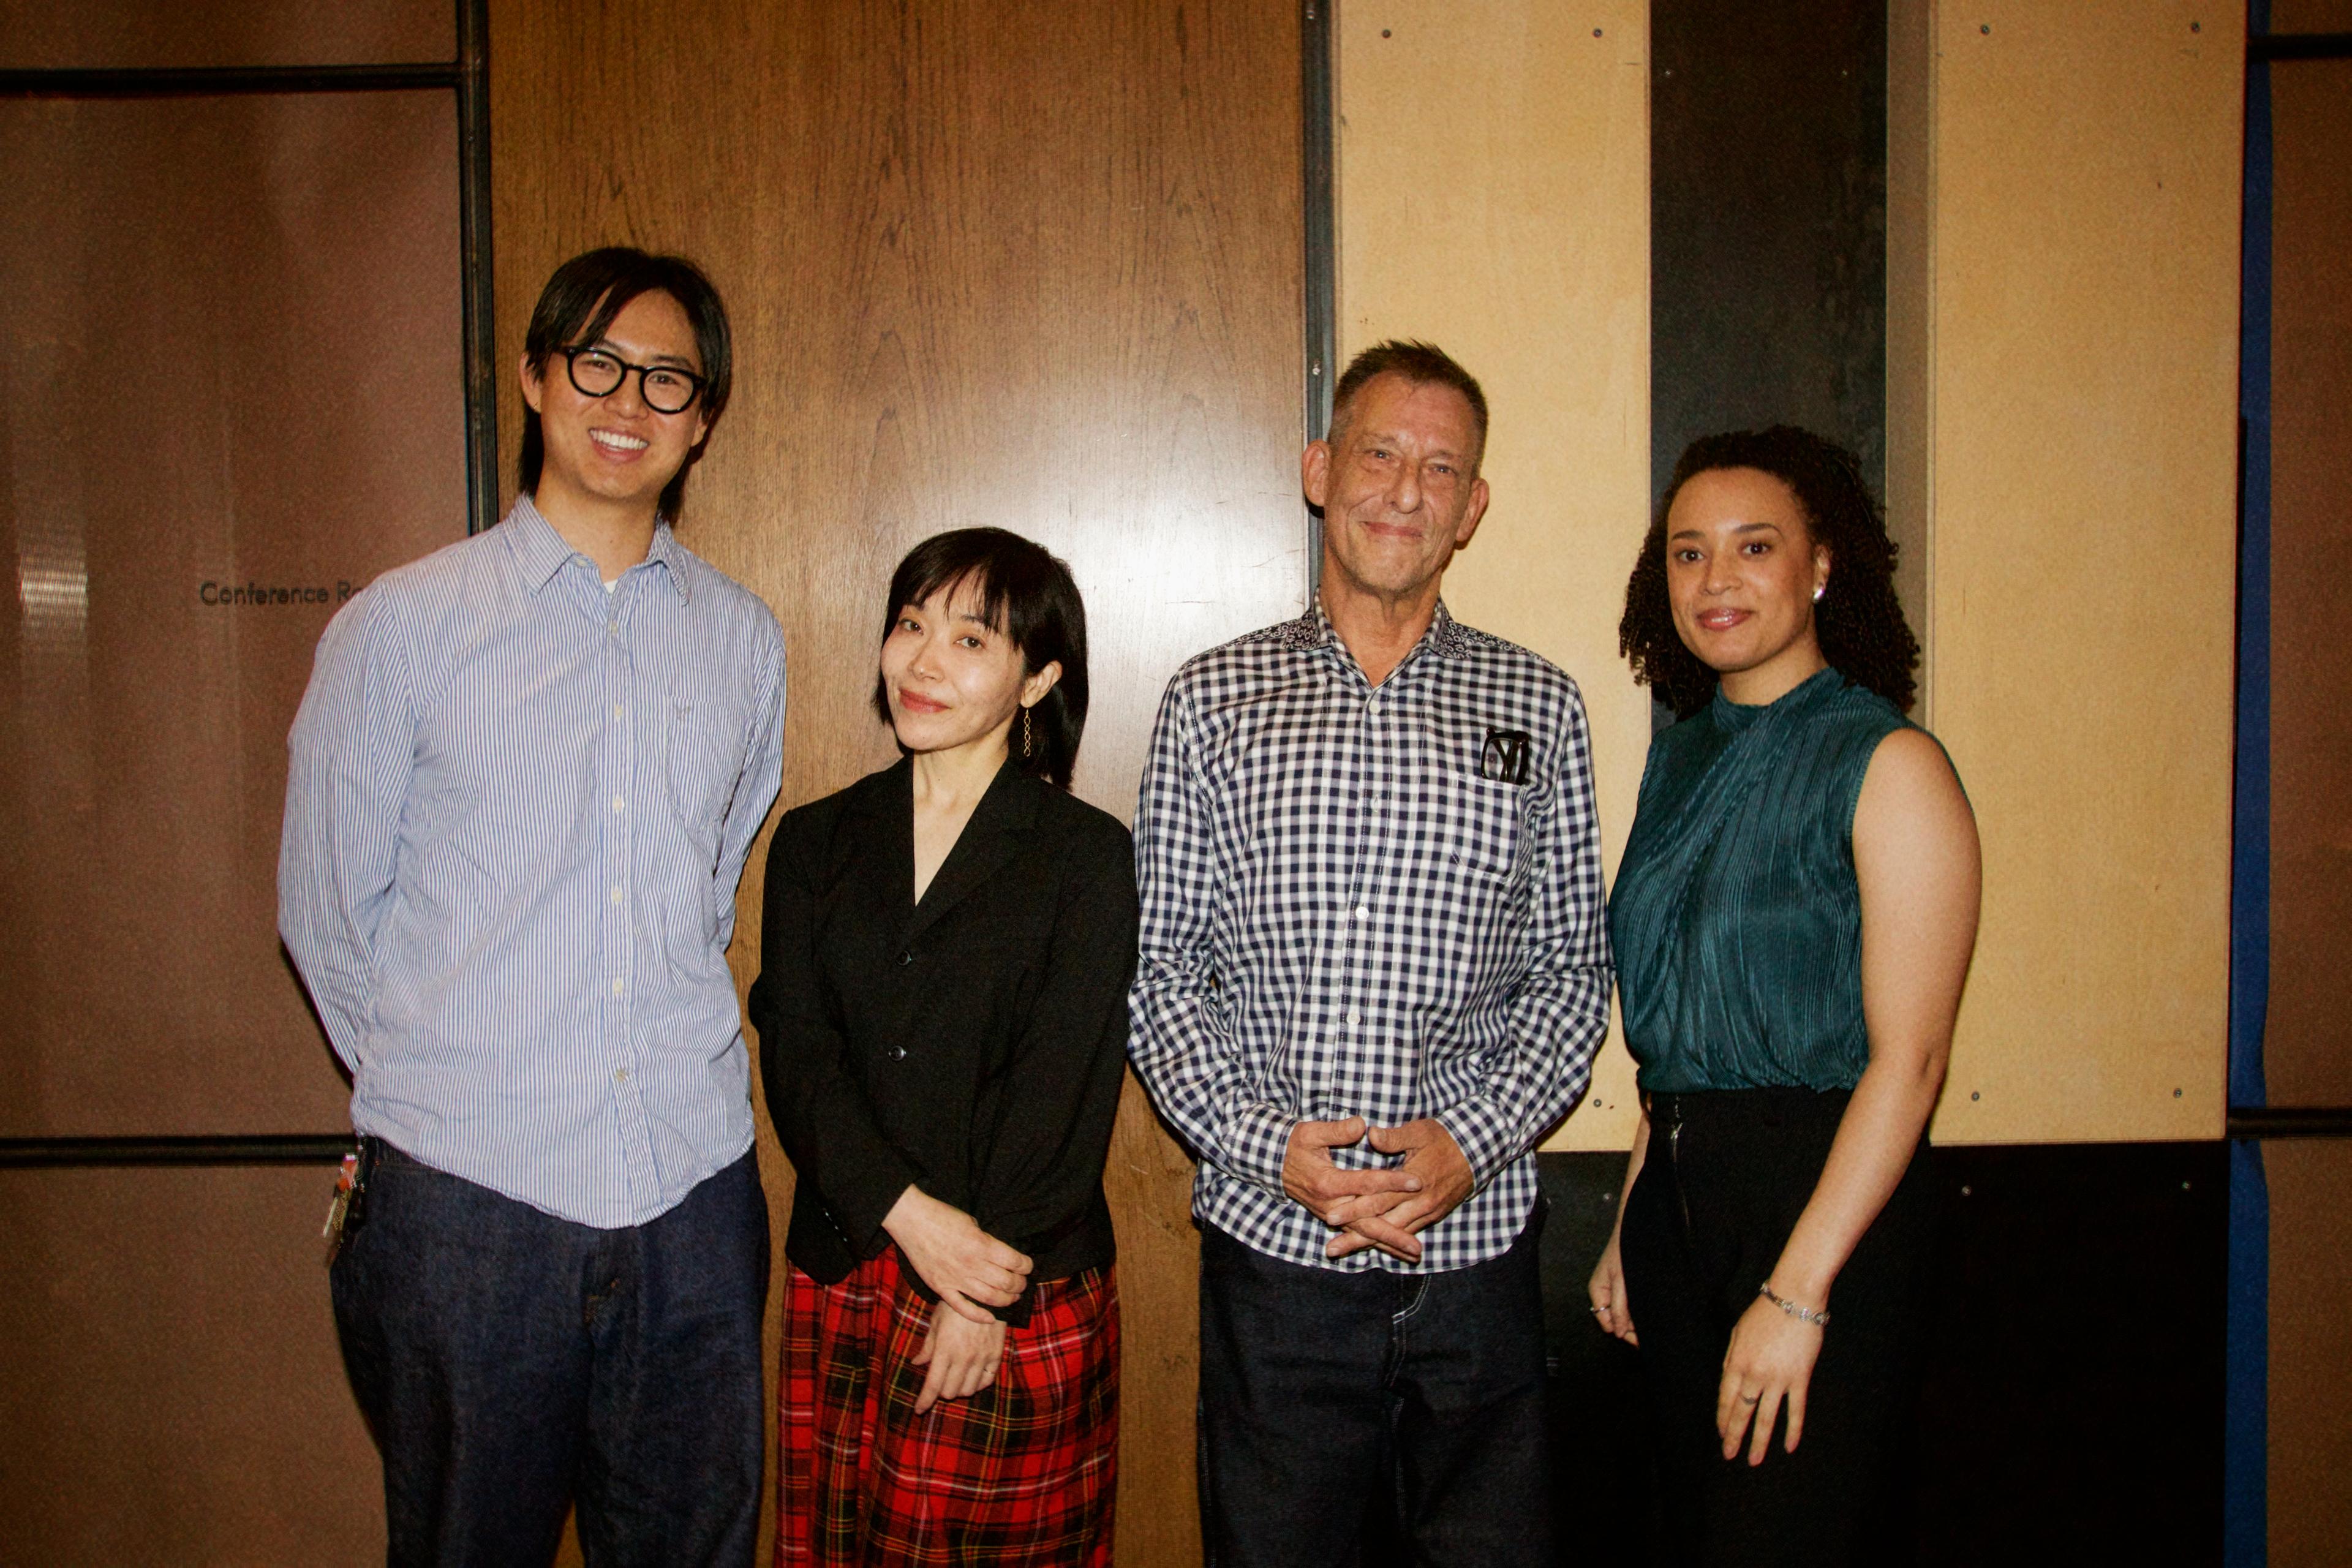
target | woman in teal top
[{"x": 1793, "y": 920}]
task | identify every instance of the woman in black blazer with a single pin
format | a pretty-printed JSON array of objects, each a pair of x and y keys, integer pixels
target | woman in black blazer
[{"x": 943, "y": 1016}]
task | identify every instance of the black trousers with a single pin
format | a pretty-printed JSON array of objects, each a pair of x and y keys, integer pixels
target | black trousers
[
  {"x": 1318, "y": 1386},
  {"x": 1726, "y": 1176}
]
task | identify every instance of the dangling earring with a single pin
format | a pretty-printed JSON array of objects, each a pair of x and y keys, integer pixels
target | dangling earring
[
  {"x": 1819, "y": 589},
  {"x": 1028, "y": 741}
]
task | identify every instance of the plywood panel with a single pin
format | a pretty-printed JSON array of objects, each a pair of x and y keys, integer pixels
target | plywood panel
[
  {"x": 1493, "y": 174},
  {"x": 233, "y": 388},
  {"x": 2310, "y": 1352},
  {"x": 172, "y": 1390},
  {"x": 2307, "y": 1047},
  {"x": 2083, "y": 453},
  {"x": 1031, "y": 265},
  {"x": 38, "y": 35}
]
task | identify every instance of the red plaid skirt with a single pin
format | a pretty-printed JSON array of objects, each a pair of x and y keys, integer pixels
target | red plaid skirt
[{"x": 1021, "y": 1473}]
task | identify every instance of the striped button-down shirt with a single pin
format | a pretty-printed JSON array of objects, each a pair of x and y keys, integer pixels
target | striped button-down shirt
[
  {"x": 1367, "y": 901},
  {"x": 518, "y": 806}
]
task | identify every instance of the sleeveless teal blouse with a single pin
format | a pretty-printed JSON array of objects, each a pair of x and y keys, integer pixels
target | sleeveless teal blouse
[{"x": 1736, "y": 918}]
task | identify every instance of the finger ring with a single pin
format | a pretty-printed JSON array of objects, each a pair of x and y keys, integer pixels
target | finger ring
[
  {"x": 1603, "y": 1307},
  {"x": 1749, "y": 1398}
]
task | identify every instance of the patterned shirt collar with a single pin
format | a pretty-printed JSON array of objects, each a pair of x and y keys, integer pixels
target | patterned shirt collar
[
  {"x": 539, "y": 549},
  {"x": 1444, "y": 636}
]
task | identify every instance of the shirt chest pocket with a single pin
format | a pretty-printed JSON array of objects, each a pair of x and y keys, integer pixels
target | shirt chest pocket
[
  {"x": 1476, "y": 827},
  {"x": 703, "y": 758}
]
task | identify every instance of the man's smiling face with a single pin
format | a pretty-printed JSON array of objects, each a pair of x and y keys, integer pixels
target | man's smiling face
[
  {"x": 613, "y": 451},
  {"x": 1399, "y": 488}
]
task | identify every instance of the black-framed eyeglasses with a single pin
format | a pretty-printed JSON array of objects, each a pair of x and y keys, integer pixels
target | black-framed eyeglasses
[{"x": 599, "y": 373}]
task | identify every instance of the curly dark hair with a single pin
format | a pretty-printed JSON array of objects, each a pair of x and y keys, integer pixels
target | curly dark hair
[{"x": 1859, "y": 620}]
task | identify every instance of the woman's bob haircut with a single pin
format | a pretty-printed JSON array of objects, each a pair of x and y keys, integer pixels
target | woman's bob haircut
[{"x": 1028, "y": 595}]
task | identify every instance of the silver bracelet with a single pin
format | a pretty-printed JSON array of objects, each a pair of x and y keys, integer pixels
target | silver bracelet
[{"x": 1802, "y": 1314}]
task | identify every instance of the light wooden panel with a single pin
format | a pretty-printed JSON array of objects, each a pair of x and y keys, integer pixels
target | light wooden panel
[
  {"x": 2307, "y": 1047},
  {"x": 2084, "y": 455},
  {"x": 174, "y": 1392},
  {"x": 1029, "y": 264},
  {"x": 1493, "y": 199}
]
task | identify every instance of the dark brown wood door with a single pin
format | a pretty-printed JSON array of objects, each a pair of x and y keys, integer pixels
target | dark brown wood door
[{"x": 1037, "y": 266}]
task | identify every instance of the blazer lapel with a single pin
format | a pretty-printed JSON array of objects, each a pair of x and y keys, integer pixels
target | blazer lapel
[
  {"x": 994, "y": 834},
  {"x": 875, "y": 844}
]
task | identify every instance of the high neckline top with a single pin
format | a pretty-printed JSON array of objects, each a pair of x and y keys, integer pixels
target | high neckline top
[{"x": 1736, "y": 919}]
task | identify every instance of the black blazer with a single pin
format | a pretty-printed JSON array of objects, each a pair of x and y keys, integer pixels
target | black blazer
[{"x": 972, "y": 1045}]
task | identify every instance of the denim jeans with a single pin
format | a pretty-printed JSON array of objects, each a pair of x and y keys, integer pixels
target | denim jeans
[
  {"x": 1318, "y": 1386},
  {"x": 511, "y": 1363}
]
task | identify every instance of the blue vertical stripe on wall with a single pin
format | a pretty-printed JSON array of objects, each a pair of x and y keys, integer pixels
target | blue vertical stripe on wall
[{"x": 2246, "y": 1454}]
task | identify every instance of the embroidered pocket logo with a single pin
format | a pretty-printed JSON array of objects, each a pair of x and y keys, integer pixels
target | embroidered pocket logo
[{"x": 1505, "y": 757}]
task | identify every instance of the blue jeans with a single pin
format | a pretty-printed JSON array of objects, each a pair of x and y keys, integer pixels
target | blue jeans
[
  {"x": 510, "y": 1363},
  {"x": 1318, "y": 1386}
]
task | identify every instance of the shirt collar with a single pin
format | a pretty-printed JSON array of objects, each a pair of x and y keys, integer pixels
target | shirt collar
[
  {"x": 540, "y": 550},
  {"x": 1444, "y": 636}
]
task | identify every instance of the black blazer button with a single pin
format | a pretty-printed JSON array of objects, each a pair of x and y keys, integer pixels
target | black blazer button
[
  {"x": 906, "y": 957},
  {"x": 898, "y": 1053}
]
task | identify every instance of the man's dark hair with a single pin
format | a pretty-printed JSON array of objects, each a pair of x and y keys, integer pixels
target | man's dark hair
[
  {"x": 1859, "y": 619},
  {"x": 1419, "y": 363},
  {"x": 577, "y": 306},
  {"x": 1026, "y": 595}
]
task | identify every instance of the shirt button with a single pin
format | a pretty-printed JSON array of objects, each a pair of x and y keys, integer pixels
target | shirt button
[
  {"x": 617, "y": 895},
  {"x": 1363, "y": 911},
  {"x": 620, "y": 1075},
  {"x": 1353, "y": 1018},
  {"x": 617, "y": 803},
  {"x": 618, "y": 710},
  {"x": 616, "y": 986},
  {"x": 611, "y": 628}
]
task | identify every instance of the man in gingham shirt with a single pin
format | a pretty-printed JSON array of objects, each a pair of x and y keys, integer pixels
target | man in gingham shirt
[
  {"x": 1374, "y": 970},
  {"x": 524, "y": 780}
]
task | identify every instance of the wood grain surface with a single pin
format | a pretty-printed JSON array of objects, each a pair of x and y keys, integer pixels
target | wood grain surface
[
  {"x": 2083, "y": 480},
  {"x": 239, "y": 321},
  {"x": 1035, "y": 266},
  {"x": 2307, "y": 1045}
]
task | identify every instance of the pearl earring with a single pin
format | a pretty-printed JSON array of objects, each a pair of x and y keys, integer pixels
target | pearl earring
[{"x": 1819, "y": 589}]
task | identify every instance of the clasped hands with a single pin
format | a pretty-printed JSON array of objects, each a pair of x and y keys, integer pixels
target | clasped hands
[
  {"x": 969, "y": 1271},
  {"x": 1385, "y": 1206}
]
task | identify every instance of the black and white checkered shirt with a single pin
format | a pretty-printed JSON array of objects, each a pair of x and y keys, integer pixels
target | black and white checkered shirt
[{"x": 1367, "y": 901}]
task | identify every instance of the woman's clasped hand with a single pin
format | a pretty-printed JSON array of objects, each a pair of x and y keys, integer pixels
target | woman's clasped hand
[{"x": 968, "y": 1269}]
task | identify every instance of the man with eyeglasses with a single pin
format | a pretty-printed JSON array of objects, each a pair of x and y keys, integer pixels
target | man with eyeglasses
[{"x": 524, "y": 780}]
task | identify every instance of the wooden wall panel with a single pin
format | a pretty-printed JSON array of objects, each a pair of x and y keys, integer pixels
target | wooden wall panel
[
  {"x": 2083, "y": 453},
  {"x": 2310, "y": 1352},
  {"x": 1493, "y": 199},
  {"x": 128, "y": 35},
  {"x": 2311, "y": 15},
  {"x": 2307, "y": 1047},
  {"x": 233, "y": 366},
  {"x": 174, "y": 1392},
  {"x": 1029, "y": 265}
]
